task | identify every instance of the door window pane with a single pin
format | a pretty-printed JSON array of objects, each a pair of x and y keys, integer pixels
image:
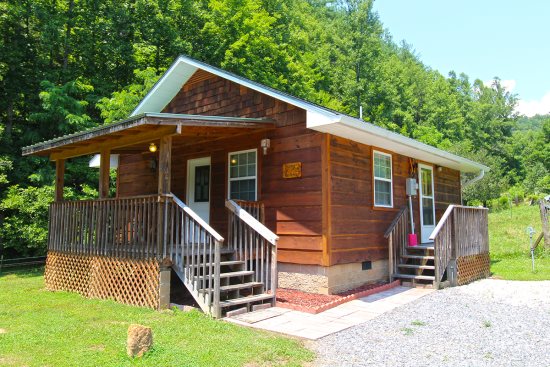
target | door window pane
[
  {"x": 202, "y": 184},
  {"x": 426, "y": 182},
  {"x": 427, "y": 212}
]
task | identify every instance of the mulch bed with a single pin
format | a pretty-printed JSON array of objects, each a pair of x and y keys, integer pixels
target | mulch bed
[{"x": 315, "y": 303}]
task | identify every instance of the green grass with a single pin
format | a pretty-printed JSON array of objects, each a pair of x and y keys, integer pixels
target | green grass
[
  {"x": 509, "y": 245},
  {"x": 42, "y": 328}
]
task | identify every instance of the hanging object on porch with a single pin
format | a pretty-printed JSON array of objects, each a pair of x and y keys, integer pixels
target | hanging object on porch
[
  {"x": 152, "y": 147},
  {"x": 412, "y": 187}
]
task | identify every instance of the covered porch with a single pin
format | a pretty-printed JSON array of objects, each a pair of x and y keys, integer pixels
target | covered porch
[{"x": 126, "y": 246}]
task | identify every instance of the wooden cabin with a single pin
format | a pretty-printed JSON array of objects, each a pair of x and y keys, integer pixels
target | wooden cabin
[{"x": 237, "y": 189}]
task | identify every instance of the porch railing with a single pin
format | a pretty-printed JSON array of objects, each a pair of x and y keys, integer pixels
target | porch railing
[
  {"x": 254, "y": 244},
  {"x": 462, "y": 231},
  {"x": 254, "y": 208},
  {"x": 397, "y": 239},
  {"x": 122, "y": 227}
]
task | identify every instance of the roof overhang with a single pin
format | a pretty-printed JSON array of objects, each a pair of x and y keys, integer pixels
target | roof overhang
[
  {"x": 319, "y": 118},
  {"x": 143, "y": 128},
  {"x": 369, "y": 134}
]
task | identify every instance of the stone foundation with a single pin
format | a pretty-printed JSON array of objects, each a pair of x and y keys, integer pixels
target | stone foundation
[{"x": 332, "y": 279}]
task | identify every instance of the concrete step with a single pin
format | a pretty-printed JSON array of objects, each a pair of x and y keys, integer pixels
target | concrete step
[
  {"x": 243, "y": 300},
  {"x": 417, "y": 277}
]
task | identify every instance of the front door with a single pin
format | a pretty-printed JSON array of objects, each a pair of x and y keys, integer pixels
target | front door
[
  {"x": 427, "y": 201},
  {"x": 198, "y": 186}
]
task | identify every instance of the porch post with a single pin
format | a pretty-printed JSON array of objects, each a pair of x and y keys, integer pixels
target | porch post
[
  {"x": 59, "y": 179},
  {"x": 104, "y": 170},
  {"x": 165, "y": 163},
  {"x": 165, "y": 170}
]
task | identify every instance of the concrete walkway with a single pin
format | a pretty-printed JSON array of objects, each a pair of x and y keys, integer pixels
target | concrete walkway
[{"x": 336, "y": 319}]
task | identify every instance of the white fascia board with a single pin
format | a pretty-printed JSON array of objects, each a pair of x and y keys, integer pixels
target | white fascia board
[
  {"x": 369, "y": 134},
  {"x": 166, "y": 88}
]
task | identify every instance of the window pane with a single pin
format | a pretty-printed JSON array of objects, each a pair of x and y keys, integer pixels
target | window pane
[
  {"x": 243, "y": 190},
  {"x": 426, "y": 182},
  {"x": 427, "y": 212},
  {"x": 202, "y": 184},
  {"x": 382, "y": 166},
  {"x": 382, "y": 193}
]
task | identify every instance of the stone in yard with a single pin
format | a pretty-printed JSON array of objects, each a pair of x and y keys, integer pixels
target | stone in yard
[
  {"x": 3, "y": 331},
  {"x": 140, "y": 340}
]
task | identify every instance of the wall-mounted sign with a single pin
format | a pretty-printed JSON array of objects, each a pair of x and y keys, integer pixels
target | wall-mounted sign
[{"x": 292, "y": 170}]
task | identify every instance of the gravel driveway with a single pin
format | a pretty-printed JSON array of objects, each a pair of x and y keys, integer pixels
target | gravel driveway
[{"x": 487, "y": 323}]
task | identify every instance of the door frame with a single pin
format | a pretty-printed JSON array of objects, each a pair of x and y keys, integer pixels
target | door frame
[
  {"x": 421, "y": 196},
  {"x": 190, "y": 189}
]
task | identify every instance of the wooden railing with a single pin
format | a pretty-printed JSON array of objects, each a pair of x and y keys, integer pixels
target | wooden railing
[
  {"x": 254, "y": 244},
  {"x": 124, "y": 228},
  {"x": 254, "y": 208},
  {"x": 195, "y": 251},
  {"x": 397, "y": 239},
  {"x": 462, "y": 231}
]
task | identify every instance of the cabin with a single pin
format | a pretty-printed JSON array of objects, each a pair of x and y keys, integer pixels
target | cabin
[{"x": 235, "y": 189}]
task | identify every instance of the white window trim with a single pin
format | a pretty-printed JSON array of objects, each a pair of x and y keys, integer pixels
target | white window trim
[
  {"x": 255, "y": 177},
  {"x": 374, "y": 178}
]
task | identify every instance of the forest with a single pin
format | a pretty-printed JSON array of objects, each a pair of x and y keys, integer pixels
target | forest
[{"x": 68, "y": 65}]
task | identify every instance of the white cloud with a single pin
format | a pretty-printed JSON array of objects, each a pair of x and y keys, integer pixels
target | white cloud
[
  {"x": 534, "y": 107},
  {"x": 508, "y": 84}
]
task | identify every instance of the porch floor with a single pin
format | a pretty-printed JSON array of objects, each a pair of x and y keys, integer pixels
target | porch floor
[{"x": 336, "y": 319}]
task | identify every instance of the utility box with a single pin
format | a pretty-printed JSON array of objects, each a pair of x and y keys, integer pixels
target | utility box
[{"x": 412, "y": 187}]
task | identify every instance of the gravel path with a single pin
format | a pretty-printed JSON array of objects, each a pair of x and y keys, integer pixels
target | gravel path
[{"x": 487, "y": 323}]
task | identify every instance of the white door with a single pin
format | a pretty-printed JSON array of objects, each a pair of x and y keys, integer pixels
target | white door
[
  {"x": 198, "y": 187},
  {"x": 427, "y": 201}
]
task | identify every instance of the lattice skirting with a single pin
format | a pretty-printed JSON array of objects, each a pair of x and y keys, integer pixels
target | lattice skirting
[
  {"x": 473, "y": 267},
  {"x": 134, "y": 282}
]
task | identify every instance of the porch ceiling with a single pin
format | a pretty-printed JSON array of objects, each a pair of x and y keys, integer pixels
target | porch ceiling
[{"x": 144, "y": 128}]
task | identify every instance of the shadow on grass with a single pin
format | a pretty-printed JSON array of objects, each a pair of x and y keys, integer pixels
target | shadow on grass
[{"x": 25, "y": 272}]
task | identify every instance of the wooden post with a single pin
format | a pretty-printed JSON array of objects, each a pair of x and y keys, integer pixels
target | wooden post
[
  {"x": 544, "y": 210},
  {"x": 165, "y": 170},
  {"x": 165, "y": 163},
  {"x": 104, "y": 169},
  {"x": 59, "y": 179}
]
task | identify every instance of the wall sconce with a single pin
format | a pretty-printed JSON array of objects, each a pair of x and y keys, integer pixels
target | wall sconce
[
  {"x": 439, "y": 168},
  {"x": 152, "y": 147},
  {"x": 265, "y": 144}
]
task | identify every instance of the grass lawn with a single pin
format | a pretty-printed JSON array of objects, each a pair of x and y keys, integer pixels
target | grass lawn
[
  {"x": 509, "y": 244},
  {"x": 41, "y": 328}
]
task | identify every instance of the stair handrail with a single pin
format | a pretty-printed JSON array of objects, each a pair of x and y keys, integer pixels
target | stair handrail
[
  {"x": 442, "y": 221},
  {"x": 197, "y": 218},
  {"x": 252, "y": 222},
  {"x": 397, "y": 240},
  {"x": 212, "y": 304},
  {"x": 258, "y": 253}
]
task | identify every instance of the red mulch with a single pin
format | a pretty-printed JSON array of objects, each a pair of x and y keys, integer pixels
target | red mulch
[{"x": 312, "y": 300}]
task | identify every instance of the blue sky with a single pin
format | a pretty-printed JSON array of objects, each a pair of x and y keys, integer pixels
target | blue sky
[{"x": 482, "y": 38}]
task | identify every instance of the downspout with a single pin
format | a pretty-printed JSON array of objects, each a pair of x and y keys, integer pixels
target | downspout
[{"x": 475, "y": 179}]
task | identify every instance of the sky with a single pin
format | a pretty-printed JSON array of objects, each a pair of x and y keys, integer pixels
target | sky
[{"x": 482, "y": 38}]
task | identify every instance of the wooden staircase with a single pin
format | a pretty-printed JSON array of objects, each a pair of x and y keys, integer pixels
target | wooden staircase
[
  {"x": 416, "y": 265},
  {"x": 235, "y": 278}
]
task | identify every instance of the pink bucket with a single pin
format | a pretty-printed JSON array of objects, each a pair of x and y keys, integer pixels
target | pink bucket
[{"x": 413, "y": 239}]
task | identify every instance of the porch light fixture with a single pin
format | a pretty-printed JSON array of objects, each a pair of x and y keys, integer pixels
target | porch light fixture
[
  {"x": 152, "y": 147},
  {"x": 265, "y": 144}
]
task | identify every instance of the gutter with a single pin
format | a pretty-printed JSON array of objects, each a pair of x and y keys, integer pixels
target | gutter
[{"x": 475, "y": 179}]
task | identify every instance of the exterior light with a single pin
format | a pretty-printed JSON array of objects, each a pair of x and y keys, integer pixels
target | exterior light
[
  {"x": 152, "y": 147},
  {"x": 265, "y": 144}
]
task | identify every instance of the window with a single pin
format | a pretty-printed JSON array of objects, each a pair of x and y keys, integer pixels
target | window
[
  {"x": 202, "y": 184},
  {"x": 242, "y": 175},
  {"x": 383, "y": 188}
]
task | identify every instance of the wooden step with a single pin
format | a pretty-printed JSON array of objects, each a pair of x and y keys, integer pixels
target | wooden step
[
  {"x": 242, "y": 300},
  {"x": 222, "y": 263},
  {"x": 417, "y": 277},
  {"x": 412, "y": 266},
  {"x": 234, "y": 287},
  {"x": 419, "y": 257},
  {"x": 421, "y": 247},
  {"x": 234, "y": 274}
]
